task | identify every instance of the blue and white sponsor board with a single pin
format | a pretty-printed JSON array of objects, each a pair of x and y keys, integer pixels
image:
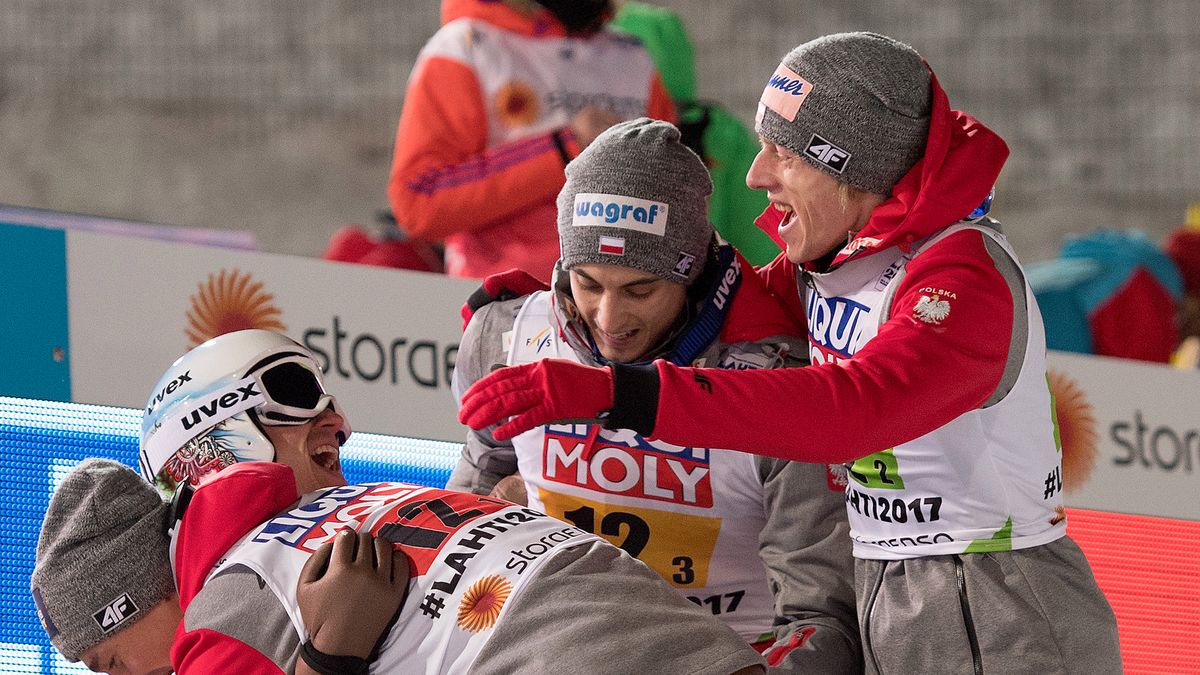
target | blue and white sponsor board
[
  {"x": 97, "y": 318},
  {"x": 388, "y": 339}
]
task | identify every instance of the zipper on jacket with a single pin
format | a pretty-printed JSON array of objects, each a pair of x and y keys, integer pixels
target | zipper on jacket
[
  {"x": 968, "y": 622},
  {"x": 866, "y": 627}
]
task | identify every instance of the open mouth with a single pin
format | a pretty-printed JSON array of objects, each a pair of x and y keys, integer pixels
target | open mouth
[
  {"x": 326, "y": 457},
  {"x": 785, "y": 210},
  {"x": 618, "y": 338}
]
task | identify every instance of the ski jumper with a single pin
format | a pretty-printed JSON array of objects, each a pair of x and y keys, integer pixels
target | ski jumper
[
  {"x": 474, "y": 563},
  {"x": 929, "y": 385},
  {"x": 748, "y": 538}
]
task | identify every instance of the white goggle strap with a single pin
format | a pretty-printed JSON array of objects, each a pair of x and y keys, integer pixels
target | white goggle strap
[{"x": 206, "y": 413}]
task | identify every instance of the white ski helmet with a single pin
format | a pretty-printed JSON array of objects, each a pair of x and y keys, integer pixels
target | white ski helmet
[{"x": 205, "y": 412}]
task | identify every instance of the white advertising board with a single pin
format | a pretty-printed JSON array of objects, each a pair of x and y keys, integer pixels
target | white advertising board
[
  {"x": 1131, "y": 435},
  {"x": 387, "y": 337}
]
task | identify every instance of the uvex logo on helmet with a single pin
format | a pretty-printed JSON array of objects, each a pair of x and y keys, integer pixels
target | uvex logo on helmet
[
  {"x": 169, "y": 388},
  {"x": 205, "y": 412},
  {"x": 629, "y": 213}
]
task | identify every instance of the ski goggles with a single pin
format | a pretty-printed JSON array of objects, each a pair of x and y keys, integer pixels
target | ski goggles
[
  {"x": 286, "y": 391},
  {"x": 292, "y": 391}
]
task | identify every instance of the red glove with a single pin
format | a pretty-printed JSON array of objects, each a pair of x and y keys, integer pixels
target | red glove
[
  {"x": 536, "y": 393},
  {"x": 502, "y": 286}
]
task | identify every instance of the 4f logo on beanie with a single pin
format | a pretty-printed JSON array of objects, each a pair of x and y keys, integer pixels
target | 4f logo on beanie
[
  {"x": 827, "y": 153},
  {"x": 115, "y": 613},
  {"x": 684, "y": 265}
]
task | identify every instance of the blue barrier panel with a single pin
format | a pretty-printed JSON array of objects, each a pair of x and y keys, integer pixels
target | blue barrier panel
[
  {"x": 33, "y": 295},
  {"x": 41, "y": 441}
]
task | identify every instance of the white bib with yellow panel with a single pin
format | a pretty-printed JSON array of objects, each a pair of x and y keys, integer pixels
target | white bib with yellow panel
[{"x": 692, "y": 514}]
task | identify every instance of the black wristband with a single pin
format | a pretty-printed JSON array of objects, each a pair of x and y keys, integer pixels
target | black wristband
[
  {"x": 328, "y": 664},
  {"x": 561, "y": 145},
  {"x": 635, "y": 398}
]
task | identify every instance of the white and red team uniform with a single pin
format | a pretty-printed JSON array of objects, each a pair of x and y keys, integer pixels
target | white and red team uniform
[
  {"x": 929, "y": 385},
  {"x": 750, "y": 539},
  {"x": 484, "y": 578},
  {"x": 484, "y": 132}
]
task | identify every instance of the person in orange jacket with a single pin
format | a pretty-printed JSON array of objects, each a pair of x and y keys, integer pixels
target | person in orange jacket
[{"x": 501, "y": 98}]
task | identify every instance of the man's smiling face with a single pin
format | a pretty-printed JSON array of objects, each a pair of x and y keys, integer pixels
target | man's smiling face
[{"x": 628, "y": 311}]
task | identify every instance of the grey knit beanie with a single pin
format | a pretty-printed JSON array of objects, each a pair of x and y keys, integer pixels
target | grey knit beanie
[
  {"x": 637, "y": 197},
  {"x": 102, "y": 557},
  {"x": 854, "y": 105}
]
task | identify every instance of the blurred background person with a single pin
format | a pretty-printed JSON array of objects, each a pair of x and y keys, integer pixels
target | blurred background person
[
  {"x": 500, "y": 99},
  {"x": 1110, "y": 292}
]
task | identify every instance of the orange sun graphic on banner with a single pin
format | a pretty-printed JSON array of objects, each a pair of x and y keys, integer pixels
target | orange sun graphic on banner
[
  {"x": 1076, "y": 429},
  {"x": 517, "y": 104},
  {"x": 481, "y": 604},
  {"x": 229, "y": 301}
]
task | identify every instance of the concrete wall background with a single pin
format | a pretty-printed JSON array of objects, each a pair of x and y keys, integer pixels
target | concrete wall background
[{"x": 278, "y": 115}]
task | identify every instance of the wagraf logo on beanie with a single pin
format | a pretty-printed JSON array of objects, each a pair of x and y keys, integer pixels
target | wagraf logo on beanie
[
  {"x": 637, "y": 197},
  {"x": 627, "y": 213},
  {"x": 854, "y": 105}
]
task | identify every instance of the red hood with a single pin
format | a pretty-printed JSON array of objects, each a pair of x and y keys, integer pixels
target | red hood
[
  {"x": 223, "y": 511},
  {"x": 756, "y": 312},
  {"x": 501, "y": 15},
  {"x": 962, "y": 160}
]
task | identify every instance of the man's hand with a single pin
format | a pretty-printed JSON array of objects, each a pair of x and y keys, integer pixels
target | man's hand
[
  {"x": 590, "y": 122},
  {"x": 513, "y": 283},
  {"x": 349, "y": 592},
  {"x": 512, "y": 489},
  {"x": 533, "y": 394}
]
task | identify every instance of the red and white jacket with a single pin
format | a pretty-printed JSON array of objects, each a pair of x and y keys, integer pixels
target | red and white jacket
[
  {"x": 481, "y": 140},
  {"x": 942, "y": 380}
]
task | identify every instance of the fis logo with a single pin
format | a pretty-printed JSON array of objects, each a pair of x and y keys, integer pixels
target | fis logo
[
  {"x": 834, "y": 327},
  {"x": 827, "y": 153},
  {"x": 621, "y": 462},
  {"x": 542, "y": 340},
  {"x": 115, "y": 613},
  {"x": 202, "y": 416},
  {"x": 627, "y": 213}
]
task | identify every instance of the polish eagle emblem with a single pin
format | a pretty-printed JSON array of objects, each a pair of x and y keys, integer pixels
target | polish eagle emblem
[{"x": 932, "y": 309}]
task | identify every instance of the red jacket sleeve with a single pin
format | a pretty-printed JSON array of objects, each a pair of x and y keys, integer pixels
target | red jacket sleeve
[
  {"x": 912, "y": 378},
  {"x": 207, "y": 652},
  {"x": 444, "y": 177}
]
